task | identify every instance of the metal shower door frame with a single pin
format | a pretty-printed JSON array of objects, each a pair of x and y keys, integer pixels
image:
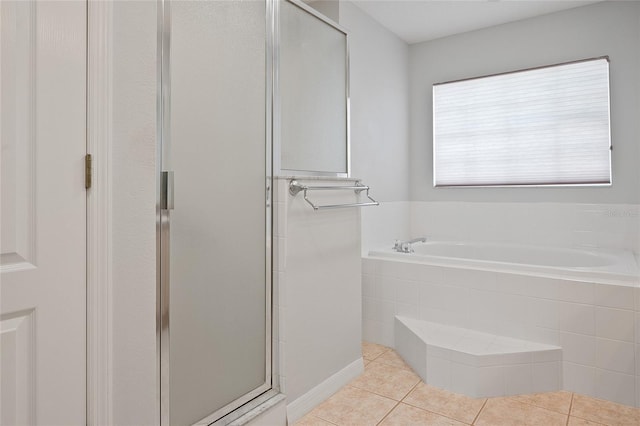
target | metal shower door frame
[{"x": 270, "y": 388}]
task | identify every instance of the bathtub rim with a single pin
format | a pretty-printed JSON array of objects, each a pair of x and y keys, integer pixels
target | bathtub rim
[{"x": 582, "y": 274}]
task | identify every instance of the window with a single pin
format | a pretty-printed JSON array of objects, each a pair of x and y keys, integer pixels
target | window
[{"x": 542, "y": 126}]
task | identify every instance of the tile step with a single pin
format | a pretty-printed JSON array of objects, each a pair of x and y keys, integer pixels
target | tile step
[{"x": 477, "y": 364}]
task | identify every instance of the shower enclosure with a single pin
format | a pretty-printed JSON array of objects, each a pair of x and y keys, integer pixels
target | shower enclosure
[
  {"x": 233, "y": 74},
  {"x": 214, "y": 226}
]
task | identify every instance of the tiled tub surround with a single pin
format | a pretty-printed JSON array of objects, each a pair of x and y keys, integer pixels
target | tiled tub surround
[
  {"x": 477, "y": 364},
  {"x": 609, "y": 226},
  {"x": 596, "y": 325}
]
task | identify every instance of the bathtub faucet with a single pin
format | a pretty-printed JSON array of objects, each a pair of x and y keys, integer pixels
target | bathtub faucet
[{"x": 405, "y": 246}]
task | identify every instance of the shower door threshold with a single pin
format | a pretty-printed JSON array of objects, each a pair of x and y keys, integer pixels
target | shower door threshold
[{"x": 248, "y": 411}]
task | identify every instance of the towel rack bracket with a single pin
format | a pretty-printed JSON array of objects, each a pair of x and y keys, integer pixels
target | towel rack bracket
[{"x": 295, "y": 187}]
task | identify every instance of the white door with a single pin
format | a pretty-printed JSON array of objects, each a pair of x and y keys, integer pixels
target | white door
[{"x": 43, "y": 213}]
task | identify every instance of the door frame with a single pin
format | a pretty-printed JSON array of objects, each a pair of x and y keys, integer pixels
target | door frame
[{"x": 99, "y": 212}]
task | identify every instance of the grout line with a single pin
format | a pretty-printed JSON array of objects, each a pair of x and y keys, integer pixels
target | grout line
[
  {"x": 320, "y": 418},
  {"x": 570, "y": 407},
  {"x": 437, "y": 414},
  {"x": 387, "y": 349},
  {"x": 527, "y": 402},
  {"x": 373, "y": 392},
  {"x": 478, "y": 415},
  {"x": 410, "y": 390},
  {"x": 390, "y": 411},
  {"x": 399, "y": 402},
  {"x": 381, "y": 353},
  {"x": 430, "y": 411},
  {"x": 592, "y": 421},
  {"x": 394, "y": 367}
]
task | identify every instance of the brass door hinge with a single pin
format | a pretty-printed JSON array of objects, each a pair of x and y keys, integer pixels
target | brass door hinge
[{"x": 87, "y": 171}]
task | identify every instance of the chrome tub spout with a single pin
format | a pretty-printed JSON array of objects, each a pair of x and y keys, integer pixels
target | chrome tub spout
[{"x": 406, "y": 246}]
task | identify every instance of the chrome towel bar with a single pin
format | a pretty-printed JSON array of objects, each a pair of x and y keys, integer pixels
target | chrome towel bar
[{"x": 295, "y": 187}]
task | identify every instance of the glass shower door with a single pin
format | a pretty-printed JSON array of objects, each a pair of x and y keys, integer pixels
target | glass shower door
[{"x": 215, "y": 342}]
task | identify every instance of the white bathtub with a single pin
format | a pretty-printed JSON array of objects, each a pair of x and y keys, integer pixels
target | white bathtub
[
  {"x": 600, "y": 266},
  {"x": 583, "y": 301}
]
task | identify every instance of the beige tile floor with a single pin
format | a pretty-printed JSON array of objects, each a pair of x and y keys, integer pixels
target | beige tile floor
[{"x": 389, "y": 393}]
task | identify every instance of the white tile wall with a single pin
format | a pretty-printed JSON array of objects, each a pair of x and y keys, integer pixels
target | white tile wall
[
  {"x": 616, "y": 324},
  {"x": 615, "y": 387},
  {"x": 597, "y": 325},
  {"x": 576, "y": 318},
  {"x": 317, "y": 289},
  {"x": 614, "y": 297},
  {"x": 279, "y": 282},
  {"x": 579, "y": 378},
  {"x": 578, "y": 348},
  {"x": 546, "y": 376},
  {"x": 614, "y": 355},
  {"x": 613, "y": 226},
  {"x": 384, "y": 224}
]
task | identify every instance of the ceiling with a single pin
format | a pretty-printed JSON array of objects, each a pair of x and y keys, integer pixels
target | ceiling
[{"x": 421, "y": 20}]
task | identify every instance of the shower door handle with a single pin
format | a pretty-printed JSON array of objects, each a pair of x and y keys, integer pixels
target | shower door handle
[{"x": 166, "y": 190}]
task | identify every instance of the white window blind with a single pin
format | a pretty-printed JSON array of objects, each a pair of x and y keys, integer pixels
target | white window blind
[{"x": 543, "y": 126}]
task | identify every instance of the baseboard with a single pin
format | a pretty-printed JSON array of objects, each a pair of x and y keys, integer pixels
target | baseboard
[{"x": 301, "y": 406}]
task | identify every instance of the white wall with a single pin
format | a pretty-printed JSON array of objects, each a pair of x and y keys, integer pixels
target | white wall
[
  {"x": 318, "y": 292},
  {"x": 607, "y": 28},
  {"x": 379, "y": 89},
  {"x": 379, "y": 105},
  {"x": 134, "y": 217}
]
